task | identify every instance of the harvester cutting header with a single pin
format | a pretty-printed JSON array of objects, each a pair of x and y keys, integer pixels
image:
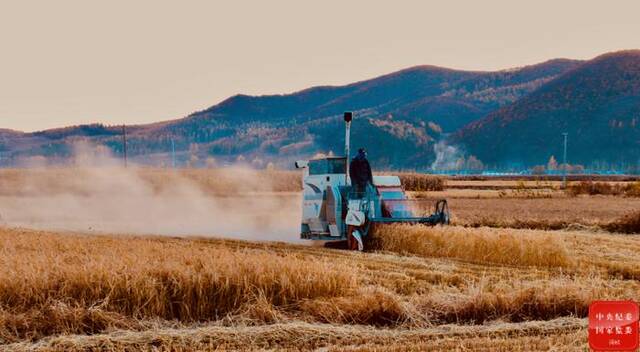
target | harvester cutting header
[{"x": 339, "y": 206}]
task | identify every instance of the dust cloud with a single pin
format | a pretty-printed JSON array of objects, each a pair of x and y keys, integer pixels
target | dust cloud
[
  {"x": 447, "y": 156},
  {"x": 99, "y": 195}
]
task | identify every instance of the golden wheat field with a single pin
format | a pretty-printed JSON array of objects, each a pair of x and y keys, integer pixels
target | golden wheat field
[{"x": 497, "y": 279}]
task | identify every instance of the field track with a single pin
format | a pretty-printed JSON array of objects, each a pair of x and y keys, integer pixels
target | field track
[{"x": 431, "y": 300}]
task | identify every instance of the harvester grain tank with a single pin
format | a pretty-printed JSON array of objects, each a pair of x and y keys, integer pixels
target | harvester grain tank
[{"x": 332, "y": 210}]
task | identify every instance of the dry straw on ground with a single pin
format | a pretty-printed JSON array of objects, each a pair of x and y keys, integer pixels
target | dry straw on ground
[
  {"x": 536, "y": 213},
  {"x": 628, "y": 223},
  {"x": 630, "y": 189},
  {"x": 82, "y": 284},
  {"x": 168, "y": 292},
  {"x": 299, "y": 336},
  {"x": 421, "y": 182},
  {"x": 475, "y": 245},
  {"x": 422, "y": 289}
]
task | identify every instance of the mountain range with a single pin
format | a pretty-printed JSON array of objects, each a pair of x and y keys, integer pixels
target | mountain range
[
  {"x": 597, "y": 103},
  {"x": 410, "y": 119}
]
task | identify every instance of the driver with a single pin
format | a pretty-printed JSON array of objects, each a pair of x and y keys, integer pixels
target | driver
[{"x": 360, "y": 172}]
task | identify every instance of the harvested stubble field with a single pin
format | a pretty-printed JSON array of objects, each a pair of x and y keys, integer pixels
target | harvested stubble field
[
  {"x": 538, "y": 204},
  {"x": 421, "y": 289},
  {"x": 468, "y": 287},
  {"x": 536, "y": 213}
]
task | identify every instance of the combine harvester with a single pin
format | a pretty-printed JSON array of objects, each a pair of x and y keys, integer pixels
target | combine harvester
[{"x": 334, "y": 212}]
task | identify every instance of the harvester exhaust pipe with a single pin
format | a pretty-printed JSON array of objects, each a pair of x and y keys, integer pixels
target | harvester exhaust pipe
[{"x": 348, "y": 116}]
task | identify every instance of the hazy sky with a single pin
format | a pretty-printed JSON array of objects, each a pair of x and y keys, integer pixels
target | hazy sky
[{"x": 71, "y": 62}]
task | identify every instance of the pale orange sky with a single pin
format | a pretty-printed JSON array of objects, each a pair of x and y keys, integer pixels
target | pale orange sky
[{"x": 70, "y": 62}]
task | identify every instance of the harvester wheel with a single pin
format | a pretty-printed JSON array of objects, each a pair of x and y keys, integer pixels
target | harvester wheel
[
  {"x": 354, "y": 238},
  {"x": 351, "y": 241}
]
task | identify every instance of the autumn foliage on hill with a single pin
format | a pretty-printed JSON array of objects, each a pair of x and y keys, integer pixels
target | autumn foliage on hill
[{"x": 597, "y": 103}]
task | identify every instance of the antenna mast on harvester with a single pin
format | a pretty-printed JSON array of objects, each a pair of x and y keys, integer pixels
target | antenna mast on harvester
[
  {"x": 124, "y": 144},
  {"x": 348, "y": 116}
]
